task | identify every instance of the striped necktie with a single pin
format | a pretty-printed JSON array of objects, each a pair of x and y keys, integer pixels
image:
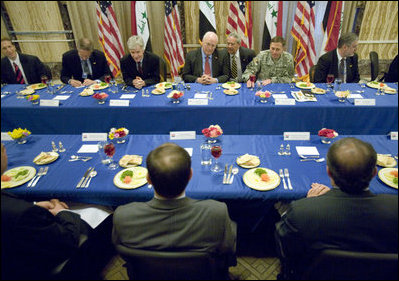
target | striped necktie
[
  {"x": 341, "y": 69},
  {"x": 18, "y": 75},
  {"x": 207, "y": 66},
  {"x": 233, "y": 67},
  {"x": 139, "y": 68}
]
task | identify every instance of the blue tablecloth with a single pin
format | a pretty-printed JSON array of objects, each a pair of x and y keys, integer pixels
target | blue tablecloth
[{"x": 240, "y": 114}]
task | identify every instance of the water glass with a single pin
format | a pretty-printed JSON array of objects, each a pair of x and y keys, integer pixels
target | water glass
[
  {"x": 206, "y": 154},
  {"x": 337, "y": 84}
]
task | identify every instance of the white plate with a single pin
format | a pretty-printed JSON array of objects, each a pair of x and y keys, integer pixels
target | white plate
[
  {"x": 383, "y": 159},
  {"x": 256, "y": 163},
  {"x": 87, "y": 92},
  {"x": 139, "y": 178},
  {"x": 99, "y": 86},
  {"x": 375, "y": 85},
  {"x": 27, "y": 91},
  {"x": 230, "y": 92},
  {"x": 166, "y": 85},
  {"x": 253, "y": 181},
  {"x": 304, "y": 85},
  {"x": 49, "y": 157},
  {"x": 37, "y": 86},
  {"x": 12, "y": 172},
  {"x": 386, "y": 178},
  {"x": 318, "y": 91},
  {"x": 158, "y": 91},
  {"x": 123, "y": 159},
  {"x": 234, "y": 85}
]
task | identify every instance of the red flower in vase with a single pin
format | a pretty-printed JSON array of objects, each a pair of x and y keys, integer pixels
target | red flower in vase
[
  {"x": 109, "y": 149},
  {"x": 328, "y": 133}
]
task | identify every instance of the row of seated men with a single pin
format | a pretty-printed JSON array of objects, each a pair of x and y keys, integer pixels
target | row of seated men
[
  {"x": 37, "y": 236},
  {"x": 206, "y": 65}
]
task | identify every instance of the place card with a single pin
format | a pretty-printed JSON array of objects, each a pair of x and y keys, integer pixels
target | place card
[
  {"x": 355, "y": 96},
  {"x": 197, "y": 101},
  {"x": 279, "y": 96},
  {"x": 88, "y": 148},
  {"x": 119, "y": 102},
  {"x": 189, "y": 150},
  {"x": 94, "y": 136},
  {"x": 307, "y": 150},
  {"x": 49, "y": 102},
  {"x": 200, "y": 96},
  {"x": 296, "y": 135},
  {"x": 5, "y": 136},
  {"x": 367, "y": 102},
  {"x": 61, "y": 98},
  {"x": 285, "y": 101},
  {"x": 128, "y": 96},
  {"x": 394, "y": 136},
  {"x": 182, "y": 135}
]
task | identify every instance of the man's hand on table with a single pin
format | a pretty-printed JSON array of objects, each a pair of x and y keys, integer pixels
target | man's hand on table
[
  {"x": 75, "y": 83},
  {"x": 88, "y": 82},
  {"x": 138, "y": 83},
  {"x": 206, "y": 80},
  {"x": 317, "y": 189}
]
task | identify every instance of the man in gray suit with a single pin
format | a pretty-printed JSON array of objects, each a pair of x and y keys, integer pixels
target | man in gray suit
[
  {"x": 206, "y": 65},
  {"x": 346, "y": 217},
  {"x": 238, "y": 57},
  {"x": 171, "y": 221}
]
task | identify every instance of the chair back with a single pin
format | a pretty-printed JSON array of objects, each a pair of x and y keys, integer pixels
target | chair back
[
  {"x": 332, "y": 264},
  {"x": 161, "y": 265},
  {"x": 311, "y": 72},
  {"x": 374, "y": 65},
  {"x": 162, "y": 69}
]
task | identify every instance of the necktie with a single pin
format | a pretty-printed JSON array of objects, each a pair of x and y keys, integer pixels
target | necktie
[
  {"x": 207, "y": 66},
  {"x": 341, "y": 69},
  {"x": 18, "y": 75},
  {"x": 86, "y": 67},
  {"x": 233, "y": 67},
  {"x": 139, "y": 68}
]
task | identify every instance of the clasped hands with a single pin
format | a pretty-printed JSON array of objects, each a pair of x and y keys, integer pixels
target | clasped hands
[
  {"x": 53, "y": 206},
  {"x": 206, "y": 80},
  {"x": 77, "y": 83},
  {"x": 251, "y": 84},
  {"x": 138, "y": 83}
]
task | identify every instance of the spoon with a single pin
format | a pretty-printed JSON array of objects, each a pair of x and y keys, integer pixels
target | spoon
[
  {"x": 76, "y": 157},
  {"x": 317, "y": 160},
  {"x": 234, "y": 171},
  {"x": 91, "y": 175},
  {"x": 310, "y": 156}
]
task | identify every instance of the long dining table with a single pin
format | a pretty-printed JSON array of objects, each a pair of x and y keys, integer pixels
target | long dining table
[
  {"x": 241, "y": 114},
  {"x": 246, "y": 205}
]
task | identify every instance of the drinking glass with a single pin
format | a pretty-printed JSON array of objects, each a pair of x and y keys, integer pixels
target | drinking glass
[
  {"x": 258, "y": 85},
  {"x": 216, "y": 152},
  {"x": 107, "y": 151},
  {"x": 337, "y": 86},
  {"x": 330, "y": 80},
  {"x": 44, "y": 79},
  {"x": 107, "y": 79},
  {"x": 252, "y": 78}
]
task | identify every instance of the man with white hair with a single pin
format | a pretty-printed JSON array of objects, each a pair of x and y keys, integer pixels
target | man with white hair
[
  {"x": 139, "y": 68},
  {"x": 206, "y": 65}
]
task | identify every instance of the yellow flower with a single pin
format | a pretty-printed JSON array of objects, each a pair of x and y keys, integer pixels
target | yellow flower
[{"x": 19, "y": 133}]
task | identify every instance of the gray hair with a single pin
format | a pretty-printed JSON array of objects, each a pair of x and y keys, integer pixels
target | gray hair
[
  {"x": 85, "y": 44},
  {"x": 236, "y": 36},
  {"x": 347, "y": 39},
  {"x": 135, "y": 41}
]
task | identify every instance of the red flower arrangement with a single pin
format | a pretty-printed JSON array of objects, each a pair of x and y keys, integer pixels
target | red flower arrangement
[
  {"x": 175, "y": 95},
  {"x": 100, "y": 96},
  {"x": 213, "y": 131},
  {"x": 328, "y": 133},
  {"x": 265, "y": 94}
]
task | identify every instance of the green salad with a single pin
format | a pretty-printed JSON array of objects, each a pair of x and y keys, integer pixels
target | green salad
[
  {"x": 260, "y": 171},
  {"x": 125, "y": 174}
]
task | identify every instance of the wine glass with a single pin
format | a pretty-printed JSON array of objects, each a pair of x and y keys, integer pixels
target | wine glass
[
  {"x": 44, "y": 79},
  {"x": 107, "y": 78},
  {"x": 216, "y": 152},
  {"x": 330, "y": 79},
  {"x": 252, "y": 78},
  {"x": 107, "y": 151}
]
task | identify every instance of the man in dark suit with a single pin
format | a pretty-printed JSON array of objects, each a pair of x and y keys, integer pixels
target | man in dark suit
[
  {"x": 206, "y": 65},
  {"x": 139, "y": 68},
  {"x": 171, "y": 221},
  {"x": 37, "y": 237},
  {"x": 20, "y": 68},
  {"x": 84, "y": 65},
  {"x": 342, "y": 62},
  {"x": 238, "y": 57},
  {"x": 346, "y": 217}
]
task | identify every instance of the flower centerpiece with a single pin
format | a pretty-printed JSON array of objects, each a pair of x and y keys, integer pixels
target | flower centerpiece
[
  {"x": 19, "y": 135},
  {"x": 212, "y": 133},
  {"x": 119, "y": 134},
  {"x": 327, "y": 134},
  {"x": 263, "y": 95},
  {"x": 175, "y": 96},
  {"x": 101, "y": 97},
  {"x": 33, "y": 98}
]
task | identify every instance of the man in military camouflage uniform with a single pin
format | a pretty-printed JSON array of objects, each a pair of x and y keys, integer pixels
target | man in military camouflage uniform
[{"x": 271, "y": 66}]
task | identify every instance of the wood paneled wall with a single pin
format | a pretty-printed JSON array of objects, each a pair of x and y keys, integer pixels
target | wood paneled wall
[
  {"x": 38, "y": 16},
  {"x": 380, "y": 22}
]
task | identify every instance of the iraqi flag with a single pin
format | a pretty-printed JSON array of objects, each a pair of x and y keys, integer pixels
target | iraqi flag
[
  {"x": 332, "y": 21},
  {"x": 139, "y": 22},
  {"x": 207, "y": 20},
  {"x": 273, "y": 22}
]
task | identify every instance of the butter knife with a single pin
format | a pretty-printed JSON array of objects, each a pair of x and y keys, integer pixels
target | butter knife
[
  {"x": 225, "y": 174},
  {"x": 228, "y": 176},
  {"x": 84, "y": 176}
]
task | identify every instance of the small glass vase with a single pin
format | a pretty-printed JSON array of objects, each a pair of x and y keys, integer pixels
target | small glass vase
[
  {"x": 121, "y": 140},
  {"x": 34, "y": 102},
  {"x": 21, "y": 140},
  {"x": 263, "y": 100},
  {"x": 325, "y": 140},
  {"x": 212, "y": 140},
  {"x": 178, "y": 100},
  {"x": 101, "y": 101}
]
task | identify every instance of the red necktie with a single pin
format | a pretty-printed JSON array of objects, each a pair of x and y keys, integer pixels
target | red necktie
[
  {"x": 207, "y": 66},
  {"x": 139, "y": 68},
  {"x": 18, "y": 74}
]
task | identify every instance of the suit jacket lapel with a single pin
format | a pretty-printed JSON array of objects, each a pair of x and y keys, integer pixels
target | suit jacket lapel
[
  {"x": 215, "y": 63},
  {"x": 25, "y": 66},
  {"x": 199, "y": 69}
]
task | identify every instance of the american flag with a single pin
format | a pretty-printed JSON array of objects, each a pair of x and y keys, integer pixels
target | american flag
[
  {"x": 302, "y": 31},
  {"x": 240, "y": 21},
  {"x": 173, "y": 44},
  {"x": 109, "y": 35}
]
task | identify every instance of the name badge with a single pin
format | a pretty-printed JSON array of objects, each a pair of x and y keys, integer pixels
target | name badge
[
  {"x": 119, "y": 102},
  {"x": 296, "y": 136},
  {"x": 197, "y": 101},
  {"x": 94, "y": 136},
  {"x": 182, "y": 135},
  {"x": 367, "y": 102},
  {"x": 284, "y": 102},
  {"x": 49, "y": 102}
]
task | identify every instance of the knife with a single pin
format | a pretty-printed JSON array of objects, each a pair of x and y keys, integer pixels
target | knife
[
  {"x": 228, "y": 177},
  {"x": 225, "y": 174},
  {"x": 85, "y": 175}
]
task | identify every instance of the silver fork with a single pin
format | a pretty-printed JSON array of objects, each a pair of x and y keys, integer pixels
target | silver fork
[
  {"x": 33, "y": 179},
  {"x": 39, "y": 175},
  {"x": 282, "y": 178},
  {"x": 287, "y": 175}
]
